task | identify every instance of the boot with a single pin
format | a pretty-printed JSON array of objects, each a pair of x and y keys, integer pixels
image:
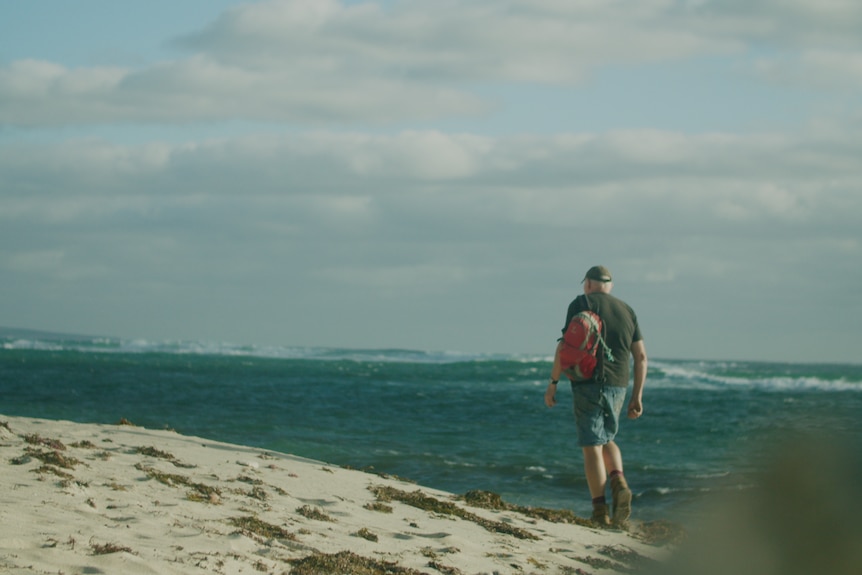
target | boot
[
  {"x": 621, "y": 502},
  {"x": 600, "y": 517}
]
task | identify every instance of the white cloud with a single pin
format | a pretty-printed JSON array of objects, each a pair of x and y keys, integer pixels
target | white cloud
[
  {"x": 786, "y": 23},
  {"x": 323, "y": 62},
  {"x": 817, "y": 69},
  {"x": 530, "y": 178},
  {"x": 486, "y": 40}
]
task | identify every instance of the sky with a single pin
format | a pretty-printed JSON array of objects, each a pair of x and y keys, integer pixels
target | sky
[{"x": 434, "y": 174}]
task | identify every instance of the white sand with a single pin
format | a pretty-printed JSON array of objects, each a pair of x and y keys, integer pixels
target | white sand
[{"x": 113, "y": 500}]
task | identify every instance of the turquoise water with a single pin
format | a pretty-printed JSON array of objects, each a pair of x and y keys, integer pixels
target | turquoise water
[{"x": 446, "y": 420}]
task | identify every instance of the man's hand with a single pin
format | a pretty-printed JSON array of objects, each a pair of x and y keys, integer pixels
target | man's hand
[
  {"x": 550, "y": 395},
  {"x": 636, "y": 408}
]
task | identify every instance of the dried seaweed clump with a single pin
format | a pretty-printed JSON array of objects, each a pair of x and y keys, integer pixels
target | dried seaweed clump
[
  {"x": 108, "y": 548},
  {"x": 53, "y": 470},
  {"x": 36, "y": 439},
  {"x": 600, "y": 563},
  {"x": 314, "y": 513},
  {"x": 53, "y": 458},
  {"x": 258, "y": 493},
  {"x": 427, "y": 503},
  {"x": 445, "y": 569},
  {"x": 84, "y": 444},
  {"x": 379, "y": 507},
  {"x": 345, "y": 562},
  {"x": 485, "y": 500},
  {"x": 200, "y": 491},
  {"x": 153, "y": 452},
  {"x": 367, "y": 534},
  {"x": 251, "y": 525},
  {"x": 159, "y": 454},
  {"x": 653, "y": 532},
  {"x": 490, "y": 500}
]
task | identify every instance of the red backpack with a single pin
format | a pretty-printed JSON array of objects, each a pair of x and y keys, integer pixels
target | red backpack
[{"x": 580, "y": 344}]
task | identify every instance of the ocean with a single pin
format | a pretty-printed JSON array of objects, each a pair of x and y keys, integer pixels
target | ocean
[{"x": 452, "y": 421}]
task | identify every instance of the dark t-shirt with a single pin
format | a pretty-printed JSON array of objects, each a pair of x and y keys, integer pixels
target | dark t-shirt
[{"x": 620, "y": 332}]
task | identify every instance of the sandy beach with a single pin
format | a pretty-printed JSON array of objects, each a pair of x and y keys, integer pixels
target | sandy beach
[{"x": 85, "y": 498}]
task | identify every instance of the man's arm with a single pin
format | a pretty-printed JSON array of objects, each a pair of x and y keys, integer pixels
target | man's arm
[
  {"x": 556, "y": 372},
  {"x": 640, "y": 360}
]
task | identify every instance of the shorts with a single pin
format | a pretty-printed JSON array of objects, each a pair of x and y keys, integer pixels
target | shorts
[{"x": 597, "y": 412}]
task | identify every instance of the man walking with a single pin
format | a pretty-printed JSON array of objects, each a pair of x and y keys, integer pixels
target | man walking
[{"x": 598, "y": 401}]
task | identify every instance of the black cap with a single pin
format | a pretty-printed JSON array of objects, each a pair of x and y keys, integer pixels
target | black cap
[{"x": 598, "y": 274}]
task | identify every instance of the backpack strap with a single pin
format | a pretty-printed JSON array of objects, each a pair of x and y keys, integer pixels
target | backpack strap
[
  {"x": 608, "y": 353},
  {"x": 600, "y": 357}
]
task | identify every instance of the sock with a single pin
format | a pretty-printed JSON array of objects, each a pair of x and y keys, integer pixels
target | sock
[
  {"x": 616, "y": 473},
  {"x": 599, "y": 500}
]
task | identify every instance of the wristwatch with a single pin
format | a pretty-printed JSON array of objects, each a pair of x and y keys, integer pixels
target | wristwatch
[{"x": 552, "y": 381}]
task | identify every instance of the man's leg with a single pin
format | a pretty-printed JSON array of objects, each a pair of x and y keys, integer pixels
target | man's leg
[
  {"x": 612, "y": 456},
  {"x": 621, "y": 503},
  {"x": 596, "y": 473}
]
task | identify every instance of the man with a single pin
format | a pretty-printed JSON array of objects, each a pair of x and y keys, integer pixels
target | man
[{"x": 599, "y": 400}]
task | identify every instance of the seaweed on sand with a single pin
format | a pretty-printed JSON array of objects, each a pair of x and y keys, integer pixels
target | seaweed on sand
[
  {"x": 314, "y": 513},
  {"x": 427, "y": 503},
  {"x": 379, "y": 507},
  {"x": 653, "y": 532},
  {"x": 44, "y": 468},
  {"x": 200, "y": 491},
  {"x": 158, "y": 453},
  {"x": 345, "y": 562},
  {"x": 83, "y": 444},
  {"x": 251, "y": 525},
  {"x": 108, "y": 548},
  {"x": 367, "y": 534},
  {"x": 53, "y": 458},
  {"x": 36, "y": 439},
  {"x": 600, "y": 563},
  {"x": 490, "y": 500},
  {"x": 153, "y": 452}
]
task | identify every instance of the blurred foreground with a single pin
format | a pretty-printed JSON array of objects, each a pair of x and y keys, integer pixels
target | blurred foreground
[{"x": 802, "y": 517}]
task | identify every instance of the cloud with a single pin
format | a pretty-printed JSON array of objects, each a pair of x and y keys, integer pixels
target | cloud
[
  {"x": 415, "y": 185},
  {"x": 325, "y": 63},
  {"x": 322, "y": 62},
  {"x": 450, "y": 41},
  {"x": 786, "y": 23},
  {"x": 200, "y": 89},
  {"x": 816, "y": 69}
]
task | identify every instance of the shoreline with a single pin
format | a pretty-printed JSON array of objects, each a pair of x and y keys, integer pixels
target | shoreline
[{"x": 92, "y": 498}]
